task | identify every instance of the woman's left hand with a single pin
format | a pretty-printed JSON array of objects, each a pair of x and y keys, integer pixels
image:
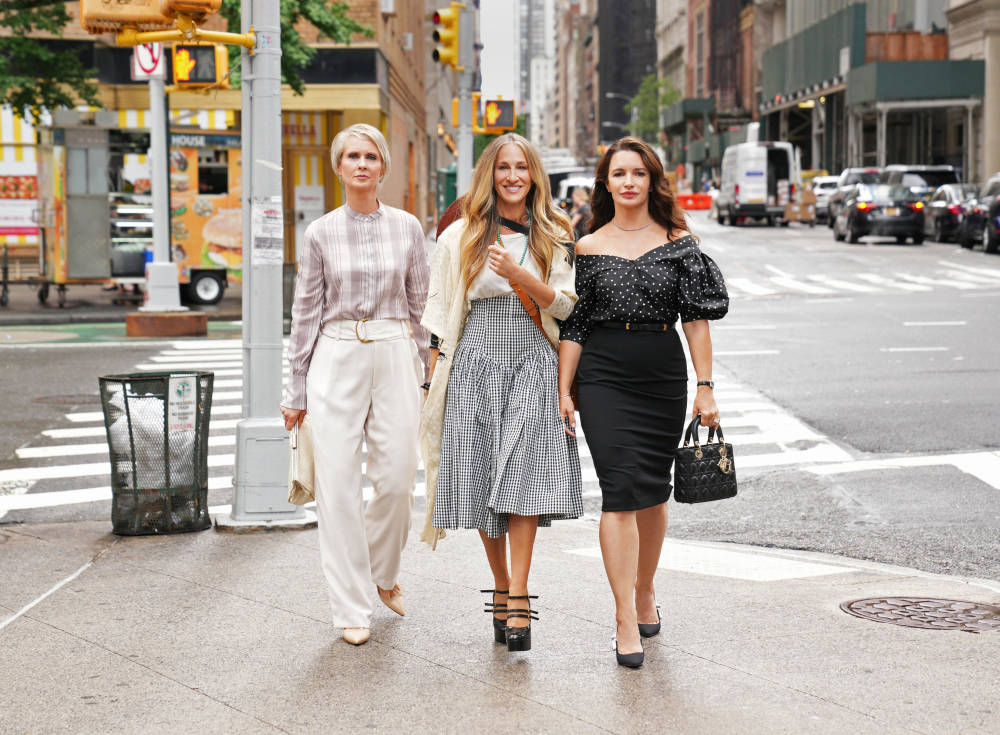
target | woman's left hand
[
  {"x": 502, "y": 262},
  {"x": 704, "y": 404}
]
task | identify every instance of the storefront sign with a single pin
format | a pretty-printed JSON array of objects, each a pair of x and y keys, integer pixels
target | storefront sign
[
  {"x": 17, "y": 217},
  {"x": 200, "y": 140}
]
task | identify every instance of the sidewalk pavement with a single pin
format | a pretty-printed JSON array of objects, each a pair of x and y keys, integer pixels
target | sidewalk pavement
[
  {"x": 218, "y": 632},
  {"x": 88, "y": 303}
]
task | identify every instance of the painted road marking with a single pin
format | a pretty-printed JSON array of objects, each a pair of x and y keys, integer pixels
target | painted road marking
[
  {"x": 924, "y": 280},
  {"x": 91, "y": 469},
  {"x": 740, "y": 353},
  {"x": 984, "y": 466},
  {"x": 692, "y": 557},
  {"x": 934, "y": 324},
  {"x": 913, "y": 349},
  {"x": 50, "y": 451},
  {"x": 91, "y": 416},
  {"x": 883, "y": 281},
  {"x": 971, "y": 268},
  {"x": 974, "y": 277},
  {"x": 796, "y": 285},
  {"x": 846, "y": 285},
  {"x": 745, "y": 284},
  {"x": 88, "y": 431}
]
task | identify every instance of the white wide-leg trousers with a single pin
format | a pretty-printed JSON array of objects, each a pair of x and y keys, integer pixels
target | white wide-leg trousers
[{"x": 363, "y": 390}]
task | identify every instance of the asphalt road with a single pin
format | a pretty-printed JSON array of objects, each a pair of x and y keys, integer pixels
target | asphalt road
[{"x": 885, "y": 354}]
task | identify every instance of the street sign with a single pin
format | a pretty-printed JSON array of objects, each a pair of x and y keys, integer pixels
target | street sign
[{"x": 148, "y": 62}]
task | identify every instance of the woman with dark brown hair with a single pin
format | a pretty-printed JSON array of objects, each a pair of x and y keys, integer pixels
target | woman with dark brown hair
[{"x": 638, "y": 270}]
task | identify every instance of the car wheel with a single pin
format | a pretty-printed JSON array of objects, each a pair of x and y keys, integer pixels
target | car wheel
[
  {"x": 990, "y": 243},
  {"x": 770, "y": 221},
  {"x": 205, "y": 288},
  {"x": 852, "y": 234},
  {"x": 837, "y": 234},
  {"x": 900, "y": 239},
  {"x": 918, "y": 239}
]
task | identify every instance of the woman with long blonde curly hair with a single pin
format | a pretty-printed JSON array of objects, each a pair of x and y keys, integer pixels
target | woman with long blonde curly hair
[{"x": 496, "y": 457}]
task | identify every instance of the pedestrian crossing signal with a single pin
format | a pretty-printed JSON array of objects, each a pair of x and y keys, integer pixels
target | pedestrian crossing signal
[
  {"x": 499, "y": 115},
  {"x": 200, "y": 65}
]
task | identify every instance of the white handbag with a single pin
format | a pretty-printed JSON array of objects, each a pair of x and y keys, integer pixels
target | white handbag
[{"x": 301, "y": 472}]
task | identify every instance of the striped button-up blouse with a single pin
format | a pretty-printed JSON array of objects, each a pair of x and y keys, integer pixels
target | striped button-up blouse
[{"x": 354, "y": 266}]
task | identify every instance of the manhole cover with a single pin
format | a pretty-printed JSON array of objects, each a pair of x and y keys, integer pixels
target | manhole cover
[
  {"x": 923, "y": 612},
  {"x": 73, "y": 399}
]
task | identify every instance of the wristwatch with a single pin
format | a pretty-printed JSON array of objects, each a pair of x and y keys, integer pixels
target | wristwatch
[{"x": 709, "y": 383}]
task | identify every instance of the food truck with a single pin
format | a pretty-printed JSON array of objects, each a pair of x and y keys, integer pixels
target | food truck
[{"x": 95, "y": 207}]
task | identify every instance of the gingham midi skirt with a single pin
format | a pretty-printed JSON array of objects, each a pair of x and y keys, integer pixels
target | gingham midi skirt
[{"x": 503, "y": 448}]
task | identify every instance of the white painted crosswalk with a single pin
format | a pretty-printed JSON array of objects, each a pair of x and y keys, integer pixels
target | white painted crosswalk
[
  {"x": 68, "y": 464},
  {"x": 945, "y": 276}
]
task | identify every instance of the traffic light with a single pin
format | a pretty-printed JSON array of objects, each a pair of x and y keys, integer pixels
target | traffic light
[
  {"x": 197, "y": 10},
  {"x": 499, "y": 115},
  {"x": 100, "y": 16},
  {"x": 447, "y": 34},
  {"x": 200, "y": 65}
]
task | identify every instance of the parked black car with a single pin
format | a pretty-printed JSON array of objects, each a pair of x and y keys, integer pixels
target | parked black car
[
  {"x": 849, "y": 178},
  {"x": 980, "y": 222},
  {"x": 946, "y": 209},
  {"x": 880, "y": 209},
  {"x": 920, "y": 180}
]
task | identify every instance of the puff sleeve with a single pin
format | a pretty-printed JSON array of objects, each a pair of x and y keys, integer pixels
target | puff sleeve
[
  {"x": 701, "y": 290},
  {"x": 577, "y": 327}
]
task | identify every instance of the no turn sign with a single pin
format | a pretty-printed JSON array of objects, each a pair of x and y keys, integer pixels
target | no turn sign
[{"x": 148, "y": 62}]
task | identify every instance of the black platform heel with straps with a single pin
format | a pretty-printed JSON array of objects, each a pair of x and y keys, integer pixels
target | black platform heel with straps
[
  {"x": 495, "y": 608},
  {"x": 519, "y": 638}
]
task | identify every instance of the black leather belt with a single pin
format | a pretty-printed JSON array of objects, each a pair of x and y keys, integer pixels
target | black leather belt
[{"x": 639, "y": 326}]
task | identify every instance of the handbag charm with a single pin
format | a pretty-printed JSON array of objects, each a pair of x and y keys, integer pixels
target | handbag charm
[{"x": 704, "y": 472}]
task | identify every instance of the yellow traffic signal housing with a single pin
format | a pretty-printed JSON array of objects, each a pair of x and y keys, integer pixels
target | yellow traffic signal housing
[
  {"x": 446, "y": 36},
  {"x": 104, "y": 16},
  {"x": 199, "y": 65},
  {"x": 499, "y": 115},
  {"x": 197, "y": 10}
]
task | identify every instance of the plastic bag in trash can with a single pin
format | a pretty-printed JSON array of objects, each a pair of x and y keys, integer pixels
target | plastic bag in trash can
[{"x": 148, "y": 427}]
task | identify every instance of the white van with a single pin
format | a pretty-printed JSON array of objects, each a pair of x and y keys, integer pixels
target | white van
[{"x": 758, "y": 180}]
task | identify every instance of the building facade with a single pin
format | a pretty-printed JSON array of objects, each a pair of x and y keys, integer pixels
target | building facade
[
  {"x": 627, "y": 55},
  {"x": 380, "y": 81}
]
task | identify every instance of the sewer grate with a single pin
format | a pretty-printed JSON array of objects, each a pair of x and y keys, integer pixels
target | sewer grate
[
  {"x": 925, "y": 612},
  {"x": 73, "y": 399}
]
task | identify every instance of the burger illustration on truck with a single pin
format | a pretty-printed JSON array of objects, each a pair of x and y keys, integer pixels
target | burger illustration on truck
[{"x": 222, "y": 236}]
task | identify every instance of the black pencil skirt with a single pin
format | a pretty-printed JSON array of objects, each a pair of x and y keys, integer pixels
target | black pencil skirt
[{"x": 632, "y": 399}]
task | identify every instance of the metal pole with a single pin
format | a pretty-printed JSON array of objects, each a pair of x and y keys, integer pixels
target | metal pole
[
  {"x": 466, "y": 80},
  {"x": 161, "y": 275},
  {"x": 261, "y": 440}
]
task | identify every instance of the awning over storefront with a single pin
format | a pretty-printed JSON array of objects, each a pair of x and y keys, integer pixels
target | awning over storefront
[{"x": 915, "y": 80}]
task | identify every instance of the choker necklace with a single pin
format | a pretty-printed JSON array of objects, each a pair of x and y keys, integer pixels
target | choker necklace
[{"x": 631, "y": 229}]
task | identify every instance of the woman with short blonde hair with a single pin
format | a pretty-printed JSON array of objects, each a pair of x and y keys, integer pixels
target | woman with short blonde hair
[
  {"x": 355, "y": 363},
  {"x": 495, "y": 455}
]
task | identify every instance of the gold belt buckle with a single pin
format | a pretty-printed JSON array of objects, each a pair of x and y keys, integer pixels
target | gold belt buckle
[{"x": 357, "y": 332}]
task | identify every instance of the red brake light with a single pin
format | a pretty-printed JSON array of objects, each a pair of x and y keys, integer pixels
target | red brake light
[
  {"x": 953, "y": 208},
  {"x": 920, "y": 205},
  {"x": 737, "y": 189},
  {"x": 864, "y": 206}
]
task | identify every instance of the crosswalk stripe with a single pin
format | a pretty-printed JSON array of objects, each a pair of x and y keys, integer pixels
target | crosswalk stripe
[
  {"x": 74, "y": 450},
  {"x": 90, "y": 416},
  {"x": 883, "y": 281},
  {"x": 29, "y": 501},
  {"x": 90, "y": 469},
  {"x": 745, "y": 284},
  {"x": 846, "y": 285},
  {"x": 971, "y": 268},
  {"x": 792, "y": 283},
  {"x": 973, "y": 277},
  {"x": 936, "y": 281},
  {"x": 87, "y": 431}
]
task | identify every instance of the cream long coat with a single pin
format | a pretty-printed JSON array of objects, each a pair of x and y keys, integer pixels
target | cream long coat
[{"x": 447, "y": 309}]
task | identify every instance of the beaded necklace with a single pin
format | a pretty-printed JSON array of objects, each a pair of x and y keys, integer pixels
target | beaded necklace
[{"x": 527, "y": 241}]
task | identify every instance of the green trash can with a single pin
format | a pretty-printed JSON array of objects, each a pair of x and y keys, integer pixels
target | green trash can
[{"x": 157, "y": 427}]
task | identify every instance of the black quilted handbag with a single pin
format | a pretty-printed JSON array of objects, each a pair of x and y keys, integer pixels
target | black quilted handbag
[{"x": 704, "y": 472}]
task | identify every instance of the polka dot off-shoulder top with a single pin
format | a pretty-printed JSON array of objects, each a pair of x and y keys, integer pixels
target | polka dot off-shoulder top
[{"x": 674, "y": 279}]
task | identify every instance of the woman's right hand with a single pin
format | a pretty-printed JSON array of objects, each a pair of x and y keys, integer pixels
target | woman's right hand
[
  {"x": 567, "y": 409},
  {"x": 293, "y": 417}
]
